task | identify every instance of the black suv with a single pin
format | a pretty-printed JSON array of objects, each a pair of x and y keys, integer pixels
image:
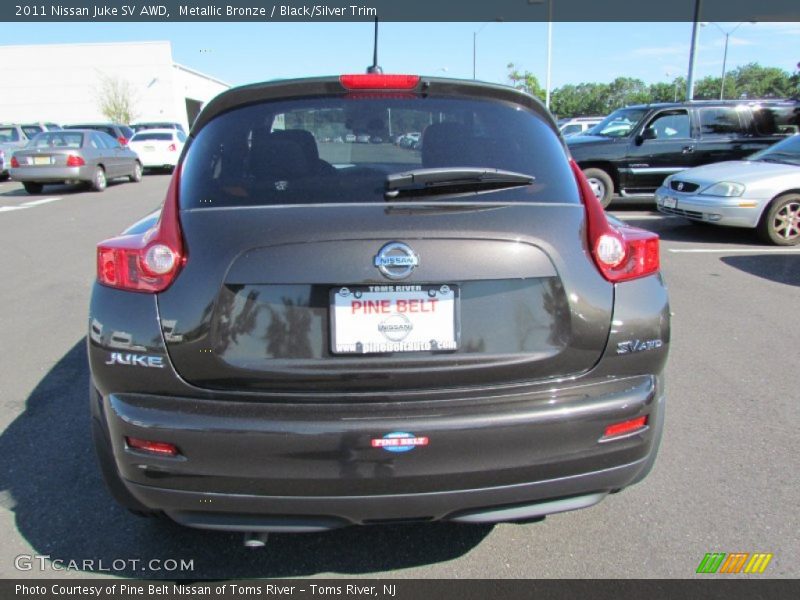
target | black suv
[{"x": 635, "y": 148}]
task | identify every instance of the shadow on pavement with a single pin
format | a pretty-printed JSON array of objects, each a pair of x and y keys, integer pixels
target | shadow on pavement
[
  {"x": 50, "y": 479},
  {"x": 781, "y": 268},
  {"x": 682, "y": 230}
]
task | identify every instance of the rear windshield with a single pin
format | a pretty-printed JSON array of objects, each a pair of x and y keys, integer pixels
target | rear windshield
[
  {"x": 32, "y": 130},
  {"x": 341, "y": 149},
  {"x": 57, "y": 139},
  {"x": 9, "y": 134},
  {"x": 149, "y": 137}
]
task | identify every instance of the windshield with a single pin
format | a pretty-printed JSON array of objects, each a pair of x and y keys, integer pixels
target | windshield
[
  {"x": 619, "y": 123},
  {"x": 343, "y": 150},
  {"x": 786, "y": 151}
]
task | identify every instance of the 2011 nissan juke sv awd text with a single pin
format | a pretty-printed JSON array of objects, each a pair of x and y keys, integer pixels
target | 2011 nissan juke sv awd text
[{"x": 315, "y": 332}]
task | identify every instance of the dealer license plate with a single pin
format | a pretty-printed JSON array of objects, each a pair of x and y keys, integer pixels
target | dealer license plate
[
  {"x": 41, "y": 160},
  {"x": 670, "y": 202},
  {"x": 394, "y": 318}
]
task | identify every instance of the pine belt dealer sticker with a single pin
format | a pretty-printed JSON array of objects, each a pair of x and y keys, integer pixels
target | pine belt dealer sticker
[{"x": 398, "y": 441}]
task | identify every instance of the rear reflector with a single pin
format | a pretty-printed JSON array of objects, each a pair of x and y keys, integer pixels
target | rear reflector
[
  {"x": 75, "y": 161},
  {"x": 162, "y": 448},
  {"x": 621, "y": 253},
  {"x": 146, "y": 262},
  {"x": 378, "y": 81},
  {"x": 14, "y": 161},
  {"x": 625, "y": 427}
]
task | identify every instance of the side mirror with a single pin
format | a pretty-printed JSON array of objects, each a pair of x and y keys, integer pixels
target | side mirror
[{"x": 649, "y": 134}]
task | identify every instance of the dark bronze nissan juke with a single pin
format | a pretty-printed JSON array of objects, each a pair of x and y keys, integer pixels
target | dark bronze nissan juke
[{"x": 313, "y": 333}]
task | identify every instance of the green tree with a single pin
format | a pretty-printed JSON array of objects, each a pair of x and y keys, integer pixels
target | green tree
[
  {"x": 116, "y": 99},
  {"x": 525, "y": 81},
  {"x": 755, "y": 81}
]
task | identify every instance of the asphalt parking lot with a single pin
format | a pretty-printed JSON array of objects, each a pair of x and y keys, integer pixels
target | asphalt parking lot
[{"x": 725, "y": 481}]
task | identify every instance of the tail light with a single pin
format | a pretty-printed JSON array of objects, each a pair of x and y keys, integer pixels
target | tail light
[
  {"x": 172, "y": 148},
  {"x": 14, "y": 161},
  {"x": 620, "y": 253},
  {"x": 378, "y": 81},
  {"x": 75, "y": 161},
  {"x": 123, "y": 141},
  {"x": 150, "y": 261}
]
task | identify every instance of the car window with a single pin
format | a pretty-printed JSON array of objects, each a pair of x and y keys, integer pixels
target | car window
[
  {"x": 127, "y": 132},
  {"x": 777, "y": 120},
  {"x": 31, "y": 130},
  {"x": 308, "y": 150},
  {"x": 107, "y": 140},
  {"x": 786, "y": 151},
  {"x": 574, "y": 128},
  {"x": 673, "y": 124},
  {"x": 619, "y": 123},
  {"x": 181, "y": 136},
  {"x": 9, "y": 134},
  {"x": 721, "y": 121},
  {"x": 149, "y": 137},
  {"x": 58, "y": 139}
]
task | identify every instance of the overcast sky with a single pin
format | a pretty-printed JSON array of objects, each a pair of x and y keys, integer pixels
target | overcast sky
[{"x": 241, "y": 53}]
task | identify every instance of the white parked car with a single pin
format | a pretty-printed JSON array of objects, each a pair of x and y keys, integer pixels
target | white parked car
[
  {"x": 760, "y": 192},
  {"x": 158, "y": 148},
  {"x": 577, "y": 125}
]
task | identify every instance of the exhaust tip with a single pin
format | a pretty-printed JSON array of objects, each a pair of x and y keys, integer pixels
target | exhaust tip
[{"x": 254, "y": 539}]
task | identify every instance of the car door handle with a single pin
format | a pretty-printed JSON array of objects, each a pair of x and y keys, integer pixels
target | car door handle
[{"x": 687, "y": 149}]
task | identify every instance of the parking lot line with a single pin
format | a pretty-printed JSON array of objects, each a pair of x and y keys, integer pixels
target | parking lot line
[
  {"x": 42, "y": 201},
  {"x": 729, "y": 250},
  {"x": 9, "y": 208}
]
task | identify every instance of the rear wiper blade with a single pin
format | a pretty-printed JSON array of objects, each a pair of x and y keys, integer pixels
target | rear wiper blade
[{"x": 442, "y": 179}]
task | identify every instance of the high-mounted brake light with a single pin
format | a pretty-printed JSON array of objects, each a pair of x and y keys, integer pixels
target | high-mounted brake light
[
  {"x": 620, "y": 253},
  {"x": 75, "y": 161},
  {"x": 378, "y": 81},
  {"x": 147, "y": 262},
  {"x": 14, "y": 161}
]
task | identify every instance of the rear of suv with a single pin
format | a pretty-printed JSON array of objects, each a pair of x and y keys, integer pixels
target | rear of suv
[
  {"x": 322, "y": 334},
  {"x": 634, "y": 149}
]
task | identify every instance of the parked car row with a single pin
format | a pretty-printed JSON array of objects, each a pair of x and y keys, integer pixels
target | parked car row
[{"x": 92, "y": 154}]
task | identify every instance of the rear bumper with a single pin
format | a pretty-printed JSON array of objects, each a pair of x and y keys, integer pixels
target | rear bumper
[
  {"x": 252, "y": 466},
  {"x": 52, "y": 174}
]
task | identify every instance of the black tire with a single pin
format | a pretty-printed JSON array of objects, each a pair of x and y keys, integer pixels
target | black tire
[
  {"x": 4, "y": 175},
  {"x": 136, "y": 176},
  {"x": 32, "y": 188},
  {"x": 99, "y": 181},
  {"x": 780, "y": 223},
  {"x": 602, "y": 185}
]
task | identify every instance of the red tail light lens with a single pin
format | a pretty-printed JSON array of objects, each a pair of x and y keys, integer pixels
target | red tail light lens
[
  {"x": 122, "y": 140},
  {"x": 14, "y": 161},
  {"x": 75, "y": 161},
  {"x": 163, "y": 448},
  {"x": 620, "y": 253},
  {"x": 172, "y": 148},
  {"x": 378, "y": 81},
  {"x": 147, "y": 262}
]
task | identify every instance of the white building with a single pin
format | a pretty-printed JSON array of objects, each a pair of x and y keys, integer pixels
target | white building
[{"x": 63, "y": 82}]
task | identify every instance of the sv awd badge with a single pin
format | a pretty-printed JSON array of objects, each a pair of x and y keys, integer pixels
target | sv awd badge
[
  {"x": 136, "y": 360},
  {"x": 638, "y": 346}
]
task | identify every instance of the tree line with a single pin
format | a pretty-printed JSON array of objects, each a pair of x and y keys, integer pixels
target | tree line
[{"x": 585, "y": 99}]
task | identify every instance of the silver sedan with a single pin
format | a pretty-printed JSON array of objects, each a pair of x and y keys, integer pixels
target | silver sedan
[
  {"x": 73, "y": 156},
  {"x": 759, "y": 192}
]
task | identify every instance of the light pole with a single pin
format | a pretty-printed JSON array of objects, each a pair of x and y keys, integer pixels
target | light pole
[
  {"x": 727, "y": 35},
  {"x": 475, "y": 43},
  {"x": 549, "y": 47},
  {"x": 692, "y": 51}
]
